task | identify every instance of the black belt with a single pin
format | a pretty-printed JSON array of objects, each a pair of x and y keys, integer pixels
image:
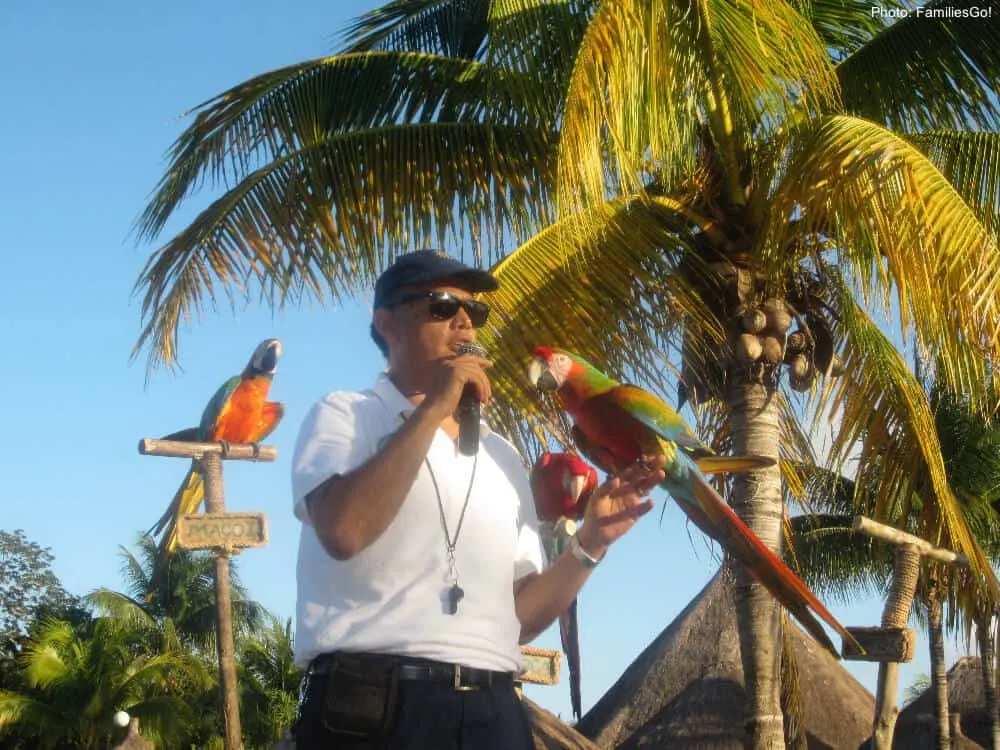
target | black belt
[{"x": 409, "y": 668}]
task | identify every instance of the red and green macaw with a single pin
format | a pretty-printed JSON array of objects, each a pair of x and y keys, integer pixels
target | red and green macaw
[
  {"x": 562, "y": 484},
  {"x": 616, "y": 424},
  {"x": 239, "y": 412}
]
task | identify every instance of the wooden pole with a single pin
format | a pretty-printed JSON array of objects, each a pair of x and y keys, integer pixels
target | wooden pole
[
  {"x": 215, "y": 502},
  {"x": 209, "y": 457},
  {"x": 905, "y": 573}
]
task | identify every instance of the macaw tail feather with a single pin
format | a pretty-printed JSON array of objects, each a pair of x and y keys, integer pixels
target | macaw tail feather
[
  {"x": 186, "y": 500},
  {"x": 569, "y": 633},
  {"x": 732, "y": 464},
  {"x": 769, "y": 569}
]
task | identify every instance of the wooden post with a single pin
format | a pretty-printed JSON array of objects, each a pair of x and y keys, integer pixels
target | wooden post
[
  {"x": 209, "y": 456},
  {"x": 905, "y": 573},
  {"x": 215, "y": 502}
]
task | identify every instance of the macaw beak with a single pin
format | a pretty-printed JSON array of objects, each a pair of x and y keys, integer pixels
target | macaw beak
[
  {"x": 540, "y": 376},
  {"x": 576, "y": 486}
]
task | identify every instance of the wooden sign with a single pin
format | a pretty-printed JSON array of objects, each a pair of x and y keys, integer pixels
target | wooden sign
[
  {"x": 225, "y": 530},
  {"x": 543, "y": 665},
  {"x": 881, "y": 644}
]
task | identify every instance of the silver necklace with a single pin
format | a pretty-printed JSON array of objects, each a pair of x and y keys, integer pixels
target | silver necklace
[{"x": 454, "y": 593}]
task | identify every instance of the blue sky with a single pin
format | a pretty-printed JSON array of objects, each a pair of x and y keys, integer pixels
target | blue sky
[{"x": 95, "y": 94}]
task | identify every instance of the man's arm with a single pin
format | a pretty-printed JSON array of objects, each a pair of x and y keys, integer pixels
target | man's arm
[
  {"x": 352, "y": 510},
  {"x": 613, "y": 509}
]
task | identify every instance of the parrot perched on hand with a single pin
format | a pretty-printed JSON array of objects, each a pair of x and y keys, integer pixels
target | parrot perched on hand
[
  {"x": 616, "y": 424},
  {"x": 561, "y": 485},
  {"x": 239, "y": 412}
]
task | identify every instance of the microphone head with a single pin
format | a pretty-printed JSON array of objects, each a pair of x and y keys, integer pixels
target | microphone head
[{"x": 471, "y": 348}]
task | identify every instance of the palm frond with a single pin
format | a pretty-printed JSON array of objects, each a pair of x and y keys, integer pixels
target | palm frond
[
  {"x": 971, "y": 162},
  {"x": 293, "y": 107},
  {"x": 538, "y": 39},
  {"x": 650, "y": 76},
  {"x": 317, "y": 220},
  {"x": 925, "y": 73},
  {"x": 122, "y": 607},
  {"x": 885, "y": 410},
  {"x": 903, "y": 230},
  {"x": 457, "y": 28},
  {"x": 606, "y": 295},
  {"x": 27, "y": 716},
  {"x": 845, "y": 25}
]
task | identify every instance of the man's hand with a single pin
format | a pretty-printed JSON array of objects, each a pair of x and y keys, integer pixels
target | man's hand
[
  {"x": 617, "y": 504},
  {"x": 446, "y": 389}
]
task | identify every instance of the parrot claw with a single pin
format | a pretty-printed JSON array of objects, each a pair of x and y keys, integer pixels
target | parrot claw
[
  {"x": 255, "y": 447},
  {"x": 224, "y": 445}
]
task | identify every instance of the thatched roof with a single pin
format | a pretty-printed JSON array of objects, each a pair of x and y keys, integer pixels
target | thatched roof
[
  {"x": 685, "y": 690},
  {"x": 552, "y": 734},
  {"x": 133, "y": 740},
  {"x": 915, "y": 725}
]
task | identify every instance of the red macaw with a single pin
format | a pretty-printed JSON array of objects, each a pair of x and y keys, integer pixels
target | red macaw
[
  {"x": 615, "y": 425},
  {"x": 239, "y": 412},
  {"x": 561, "y": 485}
]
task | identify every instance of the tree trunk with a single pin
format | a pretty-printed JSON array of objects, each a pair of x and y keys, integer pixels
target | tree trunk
[
  {"x": 756, "y": 498},
  {"x": 939, "y": 675},
  {"x": 987, "y": 658}
]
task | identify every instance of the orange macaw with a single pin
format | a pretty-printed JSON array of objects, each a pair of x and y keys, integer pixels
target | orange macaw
[{"x": 239, "y": 412}]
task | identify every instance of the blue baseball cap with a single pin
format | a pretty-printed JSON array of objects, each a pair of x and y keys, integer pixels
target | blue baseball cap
[{"x": 426, "y": 266}]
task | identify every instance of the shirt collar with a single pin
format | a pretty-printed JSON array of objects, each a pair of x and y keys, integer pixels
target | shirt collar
[{"x": 400, "y": 405}]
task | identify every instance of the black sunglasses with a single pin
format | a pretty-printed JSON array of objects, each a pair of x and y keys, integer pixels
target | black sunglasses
[{"x": 445, "y": 306}]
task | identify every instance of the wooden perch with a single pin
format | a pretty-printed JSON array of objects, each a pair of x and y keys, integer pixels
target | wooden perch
[
  {"x": 224, "y": 533},
  {"x": 894, "y": 536},
  {"x": 905, "y": 572},
  {"x": 184, "y": 449}
]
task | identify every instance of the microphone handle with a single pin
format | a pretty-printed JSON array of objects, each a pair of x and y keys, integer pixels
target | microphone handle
[{"x": 468, "y": 422}]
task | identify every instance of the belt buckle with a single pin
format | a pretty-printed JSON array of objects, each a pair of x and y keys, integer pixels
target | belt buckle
[{"x": 458, "y": 680}]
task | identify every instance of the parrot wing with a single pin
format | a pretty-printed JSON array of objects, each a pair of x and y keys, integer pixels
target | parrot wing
[
  {"x": 217, "y": 407},
  {"x": 657, "y": 416},
  {"x": 597, "y": 455},
  {"x": 187, "y": 435},
  {"x": 271, "y": 414},
  {"x": 769, "y": 569}
]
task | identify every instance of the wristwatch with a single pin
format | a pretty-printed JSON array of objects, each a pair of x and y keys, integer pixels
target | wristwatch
[{"x": 581, "y": 554}]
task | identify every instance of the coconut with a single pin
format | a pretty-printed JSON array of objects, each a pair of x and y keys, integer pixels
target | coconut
[
  {"x": 748, "y": 349},
  {"x": 801, "y": 373},
  {"x": 773, "y": 349},
  {"x": 754, "y": 320},
  {"x": 776, "y": 314},
  {"x": 797, "y": 341},
  {"x": 836, "y": 366}
]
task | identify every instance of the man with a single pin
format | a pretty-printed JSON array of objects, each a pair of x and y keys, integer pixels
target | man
[{"x": 420, "y": 568}]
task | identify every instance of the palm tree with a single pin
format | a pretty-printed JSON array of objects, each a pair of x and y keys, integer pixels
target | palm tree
[
  {"x": 73, "y": 684},
  {"x": 183, "y": 592},
  {"x": 971, "y": 449},
  {"x": 270, "y": 682},
  {"x": 753, "y": 193}
]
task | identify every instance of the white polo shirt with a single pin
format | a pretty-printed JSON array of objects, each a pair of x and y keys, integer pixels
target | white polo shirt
[{"x": 391, "y": 596}]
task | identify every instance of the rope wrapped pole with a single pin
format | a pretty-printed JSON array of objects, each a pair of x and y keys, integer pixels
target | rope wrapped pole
[{"x": 905, "y": 574}]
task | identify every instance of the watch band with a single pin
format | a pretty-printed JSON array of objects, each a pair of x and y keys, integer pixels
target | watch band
[{"x": 581, "y": 554}]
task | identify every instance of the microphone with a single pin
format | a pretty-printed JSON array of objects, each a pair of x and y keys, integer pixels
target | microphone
[{"x": 468, "y": 408}]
